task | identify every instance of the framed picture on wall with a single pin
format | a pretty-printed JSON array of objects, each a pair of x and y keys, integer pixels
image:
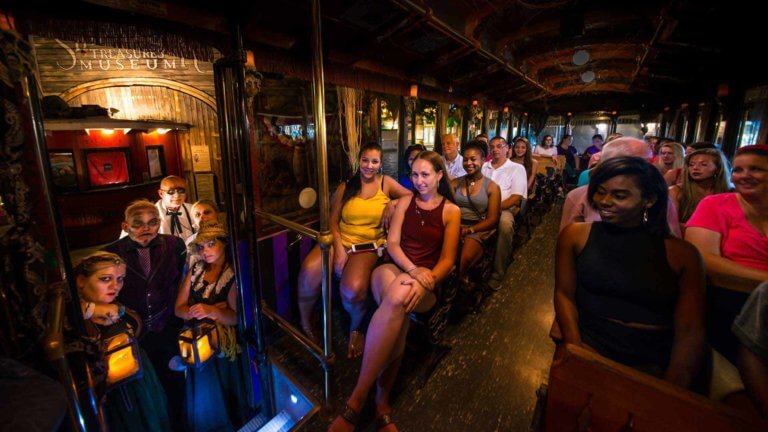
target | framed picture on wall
[
  {"x": 205, "y": 185},
  {"x": 63, "y": 172},
  {"x": 107, "y": 167},
  {"x": 156, "y": 161}
]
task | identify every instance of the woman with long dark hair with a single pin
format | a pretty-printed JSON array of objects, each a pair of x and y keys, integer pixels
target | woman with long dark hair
[
  {"x": 405, "y": 165},
  {"x": 358, "y": 236},
  {"x": 641, "y": 305},
  {"x": 422, "y": 244},
  {"x": 521, "y": 153}
]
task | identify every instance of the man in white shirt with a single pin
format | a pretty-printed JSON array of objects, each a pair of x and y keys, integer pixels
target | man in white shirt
[
  {"x": 513, "y": 183},
  {"x": 175, "y": 213},
  {"x": 454, "y": 163}
]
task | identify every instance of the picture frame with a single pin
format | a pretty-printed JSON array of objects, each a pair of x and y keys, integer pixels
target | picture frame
[
  {"x": 156, "y": 161},
  {"x": 63, "y": 170},
  {"x": 107, "y": 167},
  {"x": 205, "y": 185}
]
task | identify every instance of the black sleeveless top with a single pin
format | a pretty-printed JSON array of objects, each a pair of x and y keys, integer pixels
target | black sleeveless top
[
  {"x": 210, "y": 293},
  {"x": 623, "y": 274}
]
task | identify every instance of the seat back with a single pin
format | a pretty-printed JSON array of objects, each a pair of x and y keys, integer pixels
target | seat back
[{"x": 589, "y": 392}]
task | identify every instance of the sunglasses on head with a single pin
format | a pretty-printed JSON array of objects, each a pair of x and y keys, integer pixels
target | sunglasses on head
[{"x": 174, "y": 191}]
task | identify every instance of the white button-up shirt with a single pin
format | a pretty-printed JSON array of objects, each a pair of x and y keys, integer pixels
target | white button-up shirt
[{"x": 510, "y": 177}]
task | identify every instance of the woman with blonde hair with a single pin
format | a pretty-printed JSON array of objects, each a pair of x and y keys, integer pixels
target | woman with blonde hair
[
  {"x": 670, "y": 162},
  {"x": 705, "y": 173},
  {"x": 138, "y": 404}
]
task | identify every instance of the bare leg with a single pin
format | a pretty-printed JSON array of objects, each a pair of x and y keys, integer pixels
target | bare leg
[
  {"x": 355, "y": 281},
  {"x": 471, "y": 252},
  {"x": 385, "y": 340},
  {"x": 310, "y": 280}
]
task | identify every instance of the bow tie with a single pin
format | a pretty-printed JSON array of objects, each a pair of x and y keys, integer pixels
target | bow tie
[{"x": 175, "y": 221}]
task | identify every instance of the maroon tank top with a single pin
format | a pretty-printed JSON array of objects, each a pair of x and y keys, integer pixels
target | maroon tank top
[{"x": 422, "y": 234}]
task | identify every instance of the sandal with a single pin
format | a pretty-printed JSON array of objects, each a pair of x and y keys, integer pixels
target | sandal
[
  {"x": 384, "y": 420},
  {"x": 356, "y": 344},
  {"x": 350, "y": 415}
]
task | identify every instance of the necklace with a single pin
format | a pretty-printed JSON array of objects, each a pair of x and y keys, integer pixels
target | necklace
[{"x": 418, "y": 212}]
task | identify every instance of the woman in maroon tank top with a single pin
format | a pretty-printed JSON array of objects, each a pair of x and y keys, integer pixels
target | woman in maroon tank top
[{"x": 422, "y": 244}]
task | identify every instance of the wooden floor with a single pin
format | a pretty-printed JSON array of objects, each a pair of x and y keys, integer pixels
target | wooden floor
[{"x": 498, "y": 360}]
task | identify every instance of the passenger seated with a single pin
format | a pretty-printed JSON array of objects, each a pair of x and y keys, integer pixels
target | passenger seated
[
  {"x": 730, "y": 232},
  {"x": 521, "y": 154},
  {"x": 410, "y": 154},
  {"x": 479, "y": 199},
  {"x": 705, "y": 173},
  {"x": 546, "y": 148},
  {"x": 451, "y": 157},
  {"x": 577, "y": 208},
  {"x": 513, "y": 184},
  {"x": 572, "y": 165},
  {"x": 641, "y": 305},
  {"x": 422, "y": 244},
  {"x": 751, "y": 329},
  {"x": 670, "y": 162},
  {"x": 356, "y": 220}
]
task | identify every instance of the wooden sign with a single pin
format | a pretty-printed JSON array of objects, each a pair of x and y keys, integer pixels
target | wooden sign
[{"x": 65, "y": 64}]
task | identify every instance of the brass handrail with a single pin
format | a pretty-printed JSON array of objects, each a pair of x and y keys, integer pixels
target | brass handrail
[
  {"x": 309, "y": 232},
  {"x": 53, "y": 346}
]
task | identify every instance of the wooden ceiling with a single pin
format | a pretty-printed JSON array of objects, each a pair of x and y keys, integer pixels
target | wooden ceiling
[{"x": 504, "y": 52}]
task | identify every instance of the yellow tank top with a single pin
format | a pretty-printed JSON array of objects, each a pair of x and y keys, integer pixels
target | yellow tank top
[{"x": 361, "y": 219}]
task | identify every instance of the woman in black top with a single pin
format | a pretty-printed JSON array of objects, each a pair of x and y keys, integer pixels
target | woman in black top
[{"x": 625, "y": 287}]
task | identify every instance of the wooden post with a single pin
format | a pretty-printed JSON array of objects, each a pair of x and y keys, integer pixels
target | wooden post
[{"x": 401, "y": 134}]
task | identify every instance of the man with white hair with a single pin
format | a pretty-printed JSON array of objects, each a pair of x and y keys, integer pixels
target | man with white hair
[
  {"x": 577, "y": 208},
  {"x": 454, "y": 163}
]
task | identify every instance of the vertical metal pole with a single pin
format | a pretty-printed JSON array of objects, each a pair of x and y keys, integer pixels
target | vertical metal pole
[
  {"x": 229, "y": 77},
  {"x": 325, "y": 239},
  {"x": 401, "y": 134},
  {"x": 80, "y": 418},
  {"x": 412, "y": 104}
]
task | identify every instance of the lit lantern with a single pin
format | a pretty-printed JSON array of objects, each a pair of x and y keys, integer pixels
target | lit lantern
[
  {"x": 121, "y": 355},
  {"x": 198, "y": 342},
  {"x": 414, "y": 90},
  {"x": 474, "y": 102}
]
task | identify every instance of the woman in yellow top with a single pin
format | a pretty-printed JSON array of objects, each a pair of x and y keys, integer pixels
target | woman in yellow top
[{"x": 356, "y": 220}]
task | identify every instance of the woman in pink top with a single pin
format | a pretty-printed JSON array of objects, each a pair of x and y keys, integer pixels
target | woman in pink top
[{"x": 730, "y": 232}]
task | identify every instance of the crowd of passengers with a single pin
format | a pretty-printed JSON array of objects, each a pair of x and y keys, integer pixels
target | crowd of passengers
[{"x": 662, "y": 253}]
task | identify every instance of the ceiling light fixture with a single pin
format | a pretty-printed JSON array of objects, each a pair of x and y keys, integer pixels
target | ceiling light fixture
[
  {"x": 588, "y": 77},
  {"x": 580, "y": 57}
]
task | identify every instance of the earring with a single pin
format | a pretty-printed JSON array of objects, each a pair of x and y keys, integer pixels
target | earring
[{"x": 645, "y": 216}]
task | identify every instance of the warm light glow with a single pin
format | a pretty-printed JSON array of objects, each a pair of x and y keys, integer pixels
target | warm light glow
[
  {"x": 570, "y": 114},
  {"x": 474, "y": 102},
  {"x": 414, "y": 90},
  {"x": 249, "y": 59},
  {"x": 613, "y": 113},
  {"x": 107, "y": 131},
  {"x": 162, "y": 131},
  {"x": 121, "y": 364},
  {"x": 204, "y": 350},
  {"x": 506, "y": 109}
]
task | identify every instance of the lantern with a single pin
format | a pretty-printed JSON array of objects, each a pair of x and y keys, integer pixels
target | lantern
[
  {"x": 121, "y": 354},
  {"x": 414, "y": 90},
  {"x": 198, "y": 342}
]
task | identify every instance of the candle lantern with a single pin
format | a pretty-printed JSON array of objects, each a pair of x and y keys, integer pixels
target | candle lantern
[
  {"x": 121, "y": 354},
  {"x": 198, "y": 342}
]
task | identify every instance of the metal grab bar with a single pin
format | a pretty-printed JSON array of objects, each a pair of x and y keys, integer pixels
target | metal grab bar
[
  {"x": 308, "y": 343},
  {"x": 309, "y": 232},
  {"x": 53, "y": 346}
]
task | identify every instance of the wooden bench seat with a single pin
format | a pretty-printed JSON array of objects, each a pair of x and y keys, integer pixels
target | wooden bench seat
[{"x": 589, "y": 392}]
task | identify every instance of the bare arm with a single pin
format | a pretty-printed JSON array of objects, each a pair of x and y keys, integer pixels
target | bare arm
[
  {"x": 339, "y": 254},
  {"x": 393, "y": 189},
  {"x": 393, "y": 236},
  {"x": 532, "y": 176},
  {"x": 724, "y": 272},
  {"x": 491, "y": 220},
  {"x": 569, "y": 245},
  {"x": 690, "y": 337},
  {"x": 452, "y": 221},
  {"x": 227, "y": 315},
  {"x": 181, "y": 308},
  {"x": 511, "y": 201}
]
